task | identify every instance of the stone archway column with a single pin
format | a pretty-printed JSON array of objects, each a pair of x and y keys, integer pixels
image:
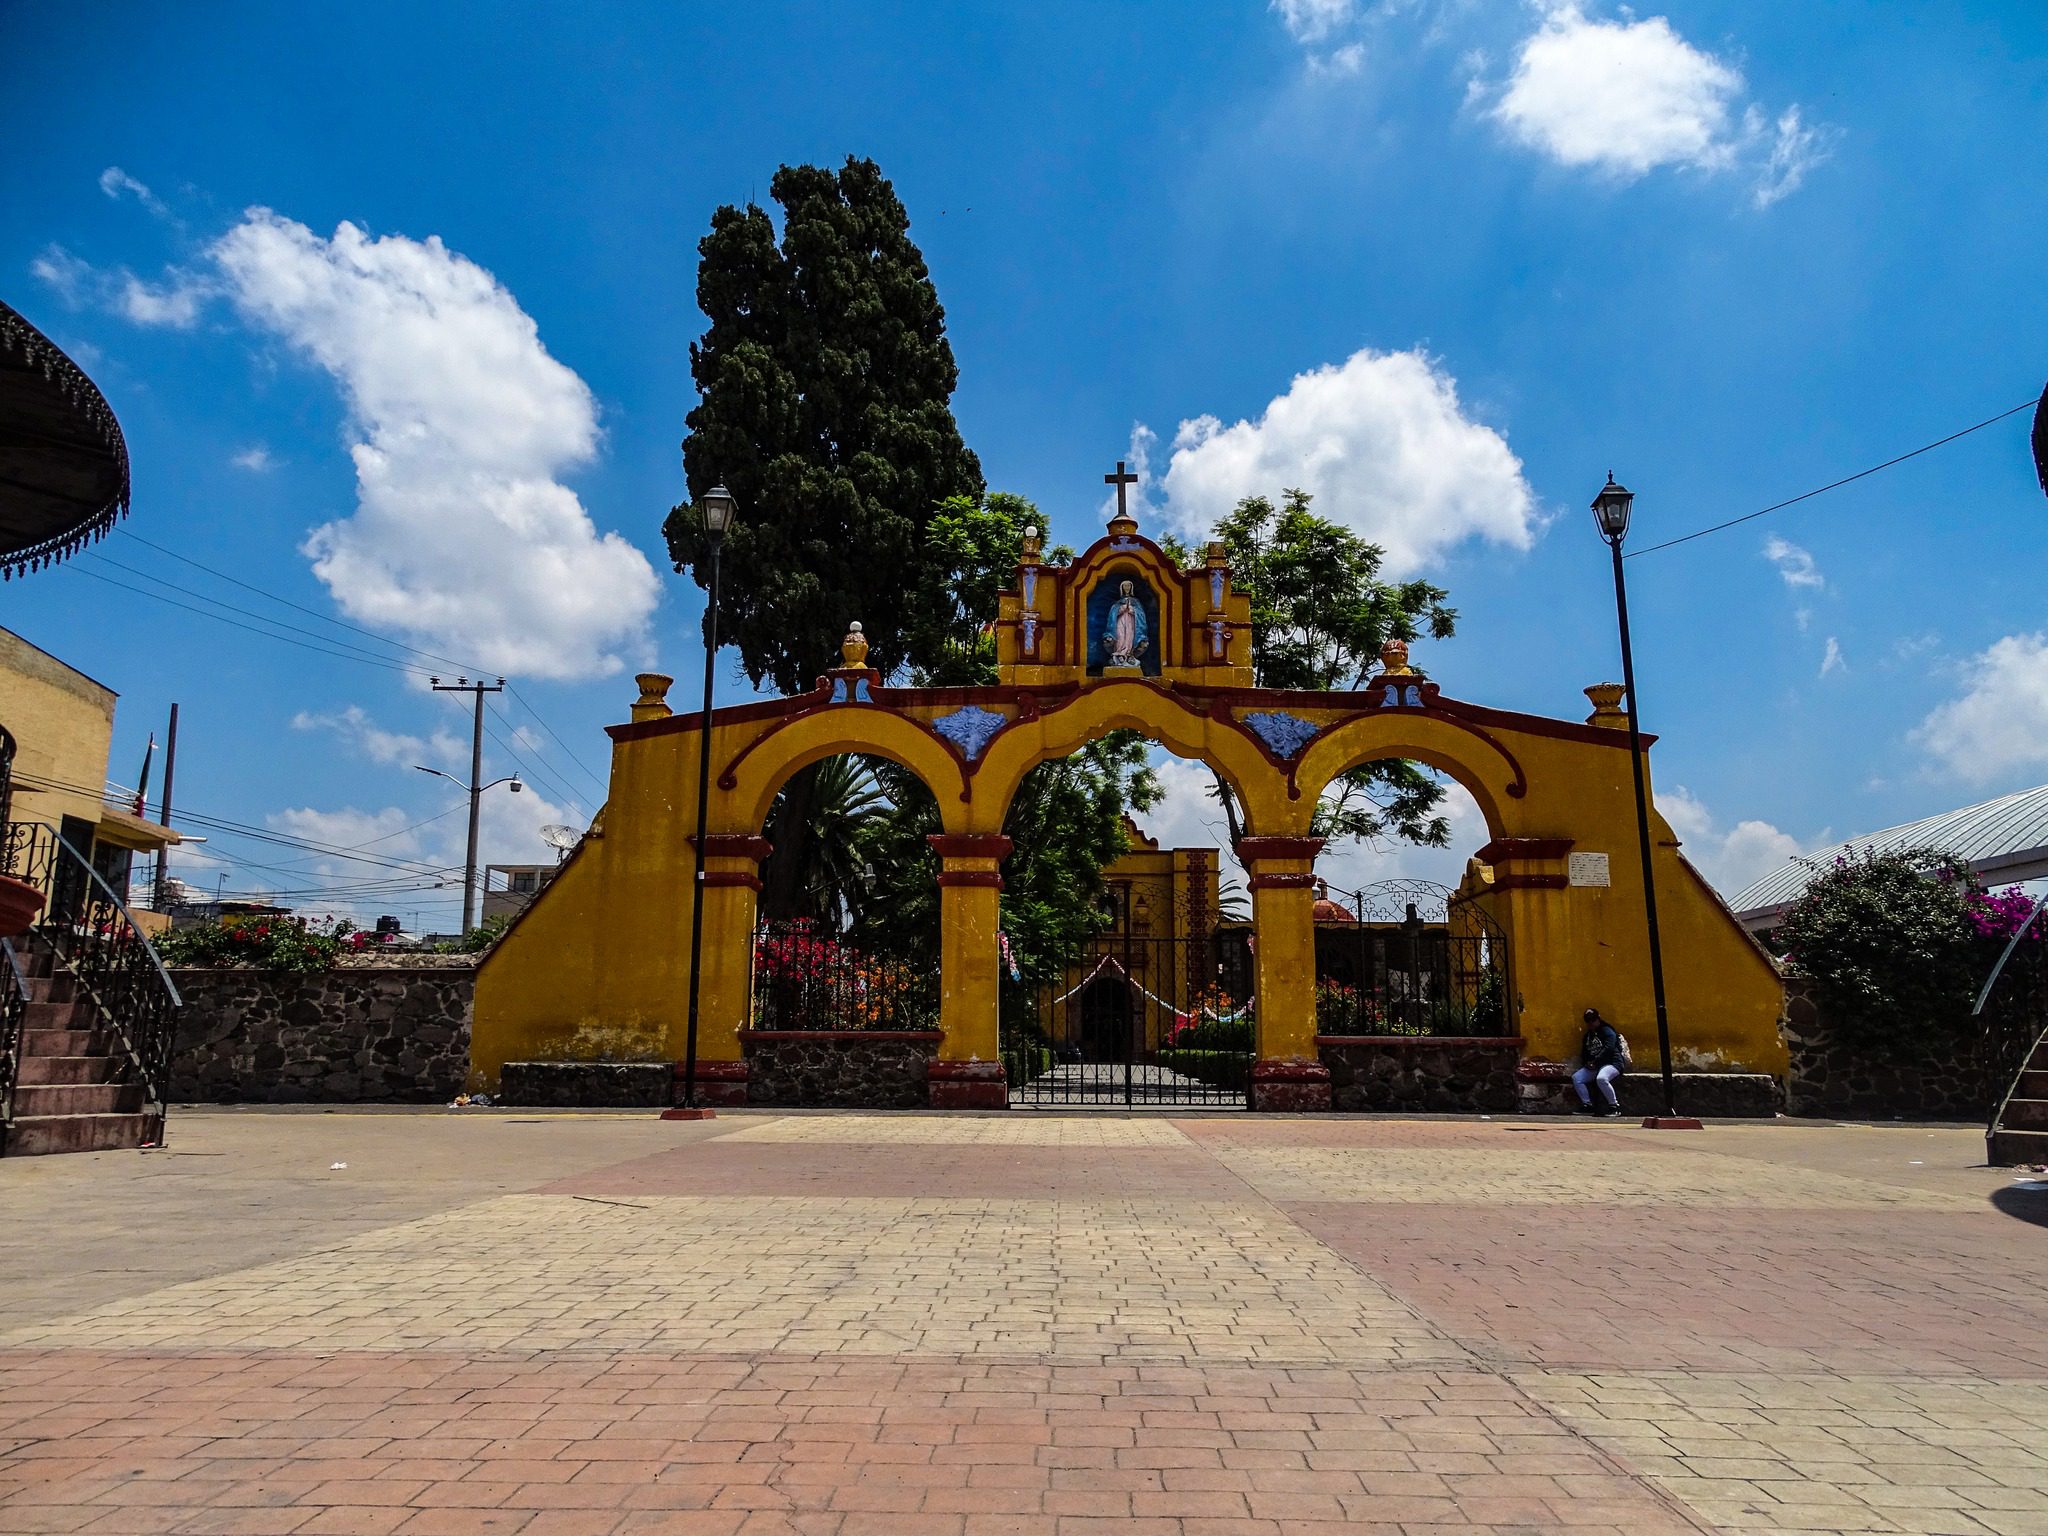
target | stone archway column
[
  {"x": 968, "y": 1073},
  {"x": 732, "y": 881},
  {"x": 1288, "y": 1074}
]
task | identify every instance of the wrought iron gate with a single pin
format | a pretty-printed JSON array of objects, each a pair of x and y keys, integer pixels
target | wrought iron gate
[
  {"x": 1407, "y": 957},
  {"x": 1156, "y": 1011}
]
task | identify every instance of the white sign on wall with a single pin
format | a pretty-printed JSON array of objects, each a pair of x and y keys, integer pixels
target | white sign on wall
[{"x": 1587, "y": 869}]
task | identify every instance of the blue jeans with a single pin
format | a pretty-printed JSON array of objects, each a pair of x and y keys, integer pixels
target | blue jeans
[{"x": 1605, "y": 1076}]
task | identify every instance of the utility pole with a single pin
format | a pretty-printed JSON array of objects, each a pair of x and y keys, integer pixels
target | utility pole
[
  {"x": 475, "y": 786},
  {"x": 163, "y": 854}
]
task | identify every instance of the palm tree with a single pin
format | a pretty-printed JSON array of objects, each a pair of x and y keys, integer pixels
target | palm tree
[{"x": 846, "y": 799}]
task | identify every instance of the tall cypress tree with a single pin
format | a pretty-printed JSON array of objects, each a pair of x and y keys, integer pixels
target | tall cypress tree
[{"x": 826, "y": 383}]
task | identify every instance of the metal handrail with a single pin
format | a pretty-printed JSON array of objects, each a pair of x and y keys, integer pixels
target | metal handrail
[
  {"x": 127, "y": 917},
  {"x": 94, "y": 933},
  {"x": 13, "y": 1010},
  {"x": 2026, "y": 1065}
]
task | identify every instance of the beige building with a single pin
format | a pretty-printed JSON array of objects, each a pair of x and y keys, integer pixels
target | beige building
[
  {"x": 510, "y": 888},
  {"x": 63, "y": 727}
]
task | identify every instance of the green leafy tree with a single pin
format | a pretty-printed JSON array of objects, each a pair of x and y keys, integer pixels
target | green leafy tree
[
  {"x": 848, "y": 796},
  {"x": 1067, "y": 822},
  {"x": 1320, "y": 614},
  {"x": 970, "y": 552},
  {"x": 825, "y": 382},
  {"x": 1890, "y": 942}
]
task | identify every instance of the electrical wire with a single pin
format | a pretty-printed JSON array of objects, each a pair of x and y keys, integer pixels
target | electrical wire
[
  {"x": 264, "y": 592},
  {"x": 1835, "y": 485}
]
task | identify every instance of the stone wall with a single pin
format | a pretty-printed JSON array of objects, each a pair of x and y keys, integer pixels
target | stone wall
[
  {"x": 1836, "y": 1077},
  {"x": 1430, "y": 1074},
  {"x": 375, "y": 1033},
  {"x": 1545, "y": 1088},
  {"x": 587, "y": 1084},
  {"x": 839, "y": 1069}
]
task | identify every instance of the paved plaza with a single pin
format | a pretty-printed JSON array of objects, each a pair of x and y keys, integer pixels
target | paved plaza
[{"x": 1008, "y": 1325}]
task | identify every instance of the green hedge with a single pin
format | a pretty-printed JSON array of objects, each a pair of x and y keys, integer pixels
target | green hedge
[
  {"x": 1219, "y": 1069},
  {"x": 1023, "y": 1063}
]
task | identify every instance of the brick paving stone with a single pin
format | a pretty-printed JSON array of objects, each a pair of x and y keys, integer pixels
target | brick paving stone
[{"x": 1031, "y": 1326}]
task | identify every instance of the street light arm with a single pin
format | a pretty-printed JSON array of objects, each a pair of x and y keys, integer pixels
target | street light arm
[{"x": 437, "y": 773}]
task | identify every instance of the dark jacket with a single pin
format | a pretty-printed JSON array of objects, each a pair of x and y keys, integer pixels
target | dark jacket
[{"x": 1602, "y": 1047}]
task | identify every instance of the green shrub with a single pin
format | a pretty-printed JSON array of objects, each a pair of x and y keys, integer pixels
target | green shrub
[
  {"x": 1219, "y": 1069},
  {"x": 264, "y": 943},
  {"x": 1892, "y": 946}
]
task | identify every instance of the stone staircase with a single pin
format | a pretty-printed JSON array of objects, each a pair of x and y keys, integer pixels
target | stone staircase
[
  {"x": 2020, "y": 1133},
  {"x": 74, "y": 1089}
]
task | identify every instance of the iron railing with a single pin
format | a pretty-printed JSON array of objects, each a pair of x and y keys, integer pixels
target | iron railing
[
  {"x": 809, "y": 978},
  {"x": 96, "y": 938},
  {"x": 1407, "y": 958},
  {"x": 1156, "y": 1010},
  {"x": 13, "y": 1009}
]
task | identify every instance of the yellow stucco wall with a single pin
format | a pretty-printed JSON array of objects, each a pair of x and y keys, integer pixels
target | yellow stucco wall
[
  {"x": 602, "y": 954},
  {"x": 604, "y": 949},
  {"x": 63, "y": 725}
]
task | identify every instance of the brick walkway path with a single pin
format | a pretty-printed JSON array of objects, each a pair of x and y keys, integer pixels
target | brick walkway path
[{"x": 1020, "y": 1326}]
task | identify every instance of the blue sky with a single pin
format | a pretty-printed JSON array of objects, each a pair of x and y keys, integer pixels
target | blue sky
[{"x": 1443, "y": 265}]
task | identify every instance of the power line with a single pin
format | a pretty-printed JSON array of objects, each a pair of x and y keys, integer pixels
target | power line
[
  {"x": 274, "y": 597},
  {"x": 393, "y": 666},
  {"x": 301, "y": 607},
  {"x": 1835, "y": 485},
  {"x": 261, "y": 618},
  {"x": 598, "y": 782}
]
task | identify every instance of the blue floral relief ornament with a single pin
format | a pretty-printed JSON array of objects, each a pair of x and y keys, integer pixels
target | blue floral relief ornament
[
  {"x": 970, "y": 728},
  {"x": 1286, "y": 734}
]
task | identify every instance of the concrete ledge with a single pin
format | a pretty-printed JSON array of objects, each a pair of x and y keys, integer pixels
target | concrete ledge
[
  {"x": 1545, "y": 1088},
  {"x": 585, "y": 1084}
]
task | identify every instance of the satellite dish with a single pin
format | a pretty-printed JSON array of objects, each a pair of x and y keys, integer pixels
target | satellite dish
[{"x": 560, "y": 838}]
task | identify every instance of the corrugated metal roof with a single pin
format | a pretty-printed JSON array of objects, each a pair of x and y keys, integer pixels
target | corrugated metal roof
[{"x": 2007, "y": 836}]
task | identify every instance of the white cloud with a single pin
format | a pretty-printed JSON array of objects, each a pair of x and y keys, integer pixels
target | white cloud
[
  {"x": 1382, "y": 442},
  {"x": 1188, "y": 816},
  {"x": 115, "y": 182},
  {"x": 358, "y": 730},
  {"x": 1628, "y": 97},
  {"x": 1310, "y": 21},
  {"x": 1347, "y": 60},
  {"x": 1730, "y": 860},
  {"x": 257, "y": 459},
  {"x": 175, "y": 303},
  {"x": 1794, "y": 564},
  {"x": 1831, "y": 659},
  {"x": 1998, "y": 725},
  {"x": 70, "y": 278},
  {"x": 463, "y": 536}
]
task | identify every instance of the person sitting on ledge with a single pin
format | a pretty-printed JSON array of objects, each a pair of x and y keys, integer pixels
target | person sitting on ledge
[{"x": 1604, "y": 1062}]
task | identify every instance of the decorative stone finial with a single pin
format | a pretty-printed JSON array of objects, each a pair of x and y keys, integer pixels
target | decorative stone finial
[
  {"x": 653, "y": 701},
  {"x": 854, "y": 648},
  {"x": 1607, "y": 708},
  {"x": 1394, "y": 658},
  {"x": 1218, "y": 553},
  {"x": 1031, "y": 545}
]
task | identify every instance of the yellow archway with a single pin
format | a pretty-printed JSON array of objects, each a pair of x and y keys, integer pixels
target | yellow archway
[{"x": 603, "y": 953}]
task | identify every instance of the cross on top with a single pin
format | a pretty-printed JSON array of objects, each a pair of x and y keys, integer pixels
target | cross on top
[{"x": 1120, "y": 479}]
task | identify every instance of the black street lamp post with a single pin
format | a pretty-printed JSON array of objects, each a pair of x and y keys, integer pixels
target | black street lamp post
[
  {"x": 716, "y": 508},
  {"x": 1611, "y": 510}
]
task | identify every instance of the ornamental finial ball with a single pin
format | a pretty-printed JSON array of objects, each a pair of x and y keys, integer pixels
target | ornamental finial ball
[
  {"x": 854, "y": 648},
  {"x": 1394, "y": 657}
]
